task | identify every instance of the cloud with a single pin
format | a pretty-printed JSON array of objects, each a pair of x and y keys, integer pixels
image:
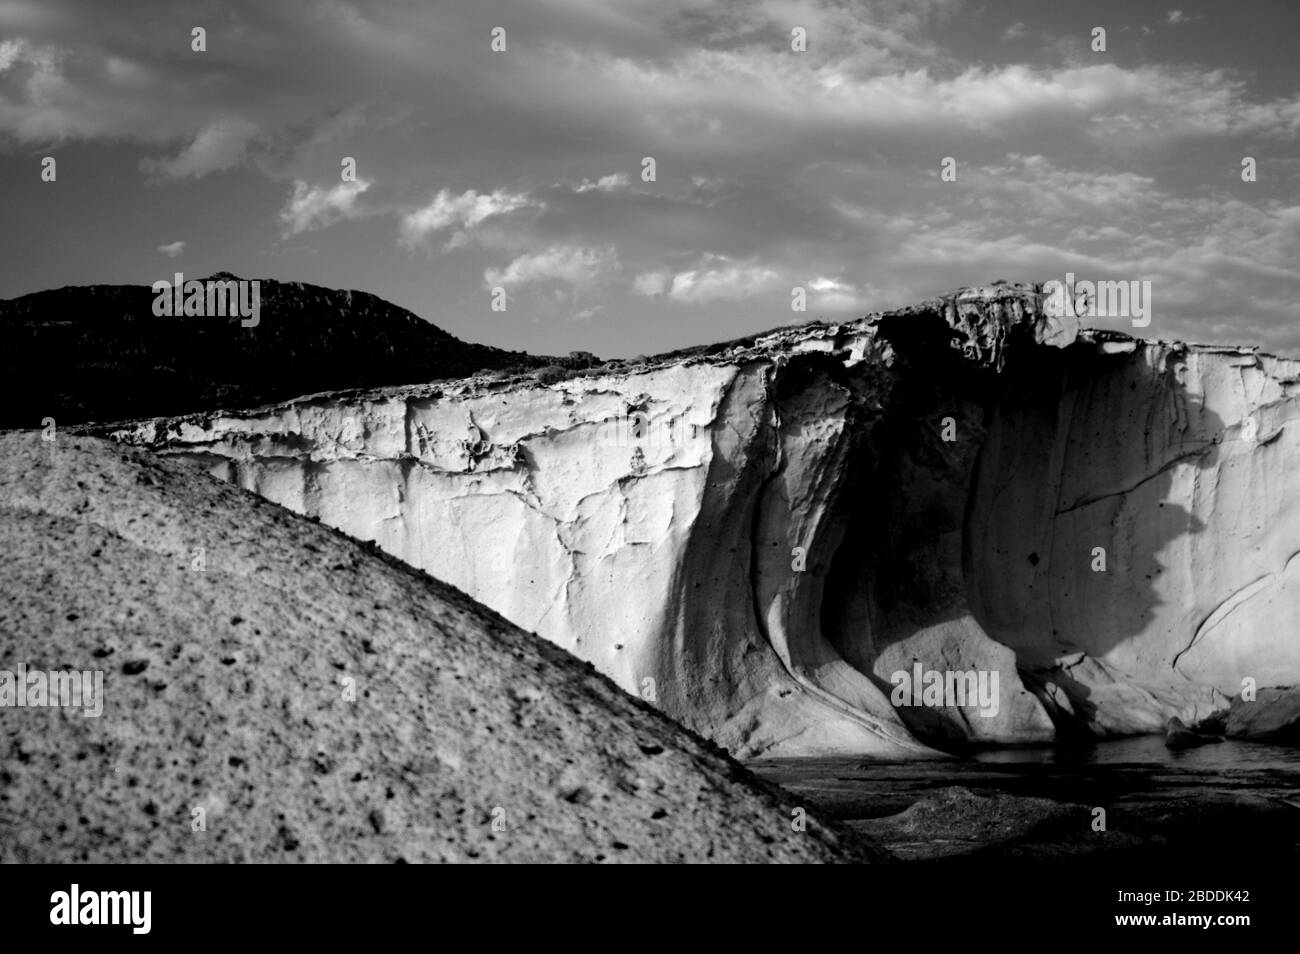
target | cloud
[
  {"x": 573, "y": 265},
  {"x": 10, "y": 52},
  {"x": 465, "y": 212},
  {"x": 730, "y": 282},
  {"x": 33, "y": 90},
  {"x": 1021, "y": 183},
  {"x": 1222, "y": 267},
  {"x": 315, "y": 207},
  {"x": 775, "y": 169},
  {"x": 610, "y": 183},
  {"x": 218, "y": 146},
  {"x": 172, "y": 249},
  {"x": 650, "y": 284},
  {"x": 716, "y": 278},
  {"x": 834, "y": 295}
]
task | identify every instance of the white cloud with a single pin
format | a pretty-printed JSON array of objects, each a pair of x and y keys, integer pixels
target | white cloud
[
  {"x": 315, "y": 207},
  {"x": 609, "y": 183},
  {"x": 35, "y": 106},
  {"x": 126, "y": 72},
  {"x": 650, "y": 284},
  {"x": 172, "y": 249},
  {"x": 733, "y": 102},
  {"x": 464, "y": 211},
  {"x": 1015, "y": 31},
  {"x": 10, "y": 51},
  {"x": 1175, "y": 17},
  {"x": 218, "y": 146},
  {"x": 721, "y": 279},
  {"x": 574, "y": 265},
  {"x": 833, "y": 294},
  {"x": 716, "y": 278},
  {"x": 1051, "y": 190}
]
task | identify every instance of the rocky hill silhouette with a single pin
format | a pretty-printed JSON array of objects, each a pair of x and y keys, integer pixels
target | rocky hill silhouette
[{"x": 99, "y": 353}]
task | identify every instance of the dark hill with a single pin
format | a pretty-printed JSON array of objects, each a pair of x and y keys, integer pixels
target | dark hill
[{"x": 98, "y": 353}]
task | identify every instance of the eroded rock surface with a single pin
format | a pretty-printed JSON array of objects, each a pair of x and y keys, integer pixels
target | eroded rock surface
[{"x": 758, "y": 535}]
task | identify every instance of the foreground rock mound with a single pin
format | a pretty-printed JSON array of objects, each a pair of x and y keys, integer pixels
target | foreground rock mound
[
  {"x": 762, "y": 534},
  {"x": 303, "y": 697}
]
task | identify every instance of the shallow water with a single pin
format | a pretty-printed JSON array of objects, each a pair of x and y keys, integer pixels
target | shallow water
[
  {"x": 1193, "y": 805},
  {"x": 1137, "y": 768},
  {"x": 1151, "y": 750}
]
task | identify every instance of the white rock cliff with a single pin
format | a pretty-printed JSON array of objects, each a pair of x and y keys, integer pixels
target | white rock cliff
[{"x": 758, "y": 535}]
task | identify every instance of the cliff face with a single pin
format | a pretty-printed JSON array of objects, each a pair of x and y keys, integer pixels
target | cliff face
[{"x": 758, "y": 536}]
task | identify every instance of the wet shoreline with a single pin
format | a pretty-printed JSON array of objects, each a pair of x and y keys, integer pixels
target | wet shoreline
[{"x": 1018, "y": 804}]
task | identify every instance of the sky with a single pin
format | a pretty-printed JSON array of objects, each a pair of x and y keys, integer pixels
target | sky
[{"x": 774, "y": 168}]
